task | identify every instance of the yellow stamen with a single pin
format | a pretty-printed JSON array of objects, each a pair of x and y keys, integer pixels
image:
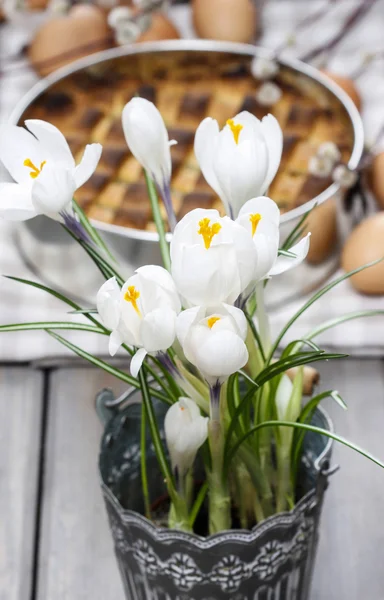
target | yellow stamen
[
  {"x": 211, "y": 321},
  {"x": 208, "y": 231},
  {"x": 235, "y": 129},
  {"x": 255, "y": 219},
  {"x": 35, "y": 170},
  {"x": 131, "y": 295}
]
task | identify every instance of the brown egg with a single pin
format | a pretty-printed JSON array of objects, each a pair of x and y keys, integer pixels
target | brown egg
[
  {"x": 66, "y": 38},
  {"x": 37, "y": 4},
  {"x": 228, "y": 20},
  {"x": 365, "y": 244},
  {"x": 346, "y": 84},
  {"x": 161, "y": 28},
  {"x": 377, "y": 178},
  {"x": 322, "y": 223}
]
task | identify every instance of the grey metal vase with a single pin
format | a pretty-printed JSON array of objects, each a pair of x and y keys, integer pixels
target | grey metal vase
[{"x": 273, "y": 561}]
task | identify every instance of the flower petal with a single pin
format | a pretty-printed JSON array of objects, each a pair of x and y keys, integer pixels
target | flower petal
[
  {"x": 158, "y": 329},
  {"x": 221, "y": 354},
  {"x": 273, "y": 137},
  {"x": 52, "y": 191},
  {"x": 53, "y": 144},
  {"x": 284, "y": 263},
  {"x": 16, "y": 145},
  {"x": 147, "y": 138},
  {"x": 136, "y": 361},
  {"x": 108, "y": 303},
  {"x": 283, "y": 395},
  {"x": 16, "y": 202},
  {"x": 115, "y": 341},
  {"x": 263, "y": 205},
  {"x": 88, "y": 163},
  {"x": 186, "y": 319},
  {"x": 205, "y": 147}
]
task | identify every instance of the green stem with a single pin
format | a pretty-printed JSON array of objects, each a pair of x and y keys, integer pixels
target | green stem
[
  {"x": 262, "y": 318},
  {"x": 219, "y": 498},
  {"x": 284, "y": 482},
  {"x": 143, "y": 460},
  {"x": 256, "y": 355},
  {"x": 164, "y": 249},
  {"x": 179, "y": 518}
]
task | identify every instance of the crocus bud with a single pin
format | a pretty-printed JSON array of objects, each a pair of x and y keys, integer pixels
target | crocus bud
[
  {"x": 185, "y": 431},
  {"x": 147, "y": 138}
]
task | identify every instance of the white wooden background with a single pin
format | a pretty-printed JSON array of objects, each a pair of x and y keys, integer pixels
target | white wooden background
[{"x": 54, "y": 539}]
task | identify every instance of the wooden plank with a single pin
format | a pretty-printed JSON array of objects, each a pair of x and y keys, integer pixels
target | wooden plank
[
  {"x": 351, "y": 552},
  {"x": 21, "y": 400},
  {"x": 76, "y": 558}
]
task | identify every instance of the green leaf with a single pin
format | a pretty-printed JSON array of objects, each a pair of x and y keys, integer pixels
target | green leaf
[
  {"x": 269, "y": 373},
  {"x": 305, "y": 427},
  {"x": 44, "y": 325},
  {"x": 305, "y": 417},
  {"x": 344, "y": 319},
  {"x": 83, "y": 311},
  {"x": 104, "y": 267},
  {"x": 282, "y": 252},
  {"x": 255, "y": 333},
  {"x": 297, "y": 231},
  {"x": 198, "y": 503},
  {"x": 164, "y": 248},
  {"x": 101, "y": 364},
  {"x": 143, "y": 461},
  {"x": 295, "y": 360},
  {"x": 92, "y": 231},
  {"x": 49, "y": 290},
  {"x": 52, "y": 292},
  {"x": 314, "y": 298}
]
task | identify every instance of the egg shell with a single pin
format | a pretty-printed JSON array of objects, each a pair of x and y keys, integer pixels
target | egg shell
[
  {"x": 37, "y": 4},
  {"x": 322, "y": 223},
  {"x": 161, "y": 28},
  {"x": 377, "y": 179},
  {"x": 346, "y": 84},
  {"x": 365, "y": 244},
  {"x": 66, "y": 38},
  {"x": 228, "y": 20}
]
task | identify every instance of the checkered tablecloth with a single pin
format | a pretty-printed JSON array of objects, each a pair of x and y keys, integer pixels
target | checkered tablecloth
[{"x": 19, "y": 303}]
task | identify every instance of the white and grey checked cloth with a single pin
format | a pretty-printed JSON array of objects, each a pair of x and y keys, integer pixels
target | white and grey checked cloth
[{"x": 20, "y": 303}]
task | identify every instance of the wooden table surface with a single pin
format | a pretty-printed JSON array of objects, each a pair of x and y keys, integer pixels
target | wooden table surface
[{"x": 54, "y": 538}]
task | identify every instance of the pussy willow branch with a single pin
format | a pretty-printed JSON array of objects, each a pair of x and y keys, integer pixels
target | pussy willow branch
[
  {"x": 354, "y": 18},
  {"x": 304, "y": 23}
]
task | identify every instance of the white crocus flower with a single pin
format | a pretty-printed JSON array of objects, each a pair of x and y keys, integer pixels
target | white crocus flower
[
  {"x": 213, "y": 340},
  {"x": 261, "y": 217},
  {"x": 147, "y": 138},
  {"x": 44, "y": 170},
  {"x": 142, "y": 314},
  {"x": 185, "y": 431},
  {"x": 240, "y": 161},
  {"x": 213, "y": 260}
]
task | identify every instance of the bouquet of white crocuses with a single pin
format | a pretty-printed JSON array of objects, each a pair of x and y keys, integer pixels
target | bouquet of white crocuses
[{"x": 196, "y": 329}]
